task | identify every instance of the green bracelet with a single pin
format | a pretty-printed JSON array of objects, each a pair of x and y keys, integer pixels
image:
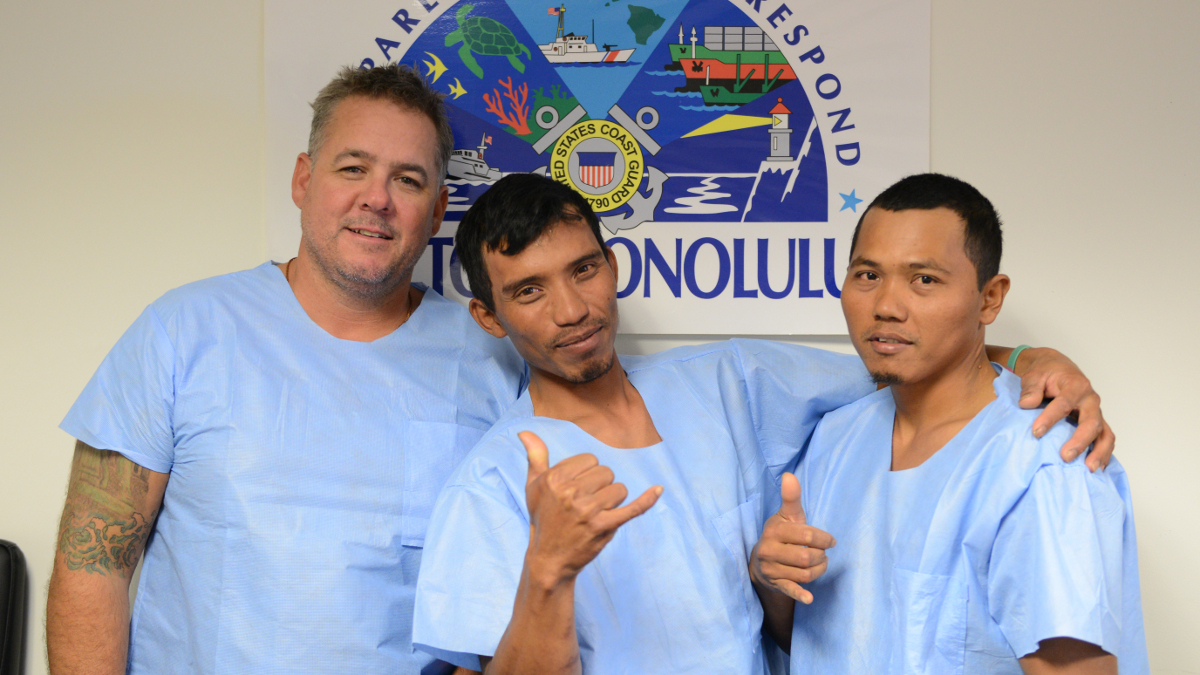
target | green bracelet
[{"x": 1012, "y": 358}]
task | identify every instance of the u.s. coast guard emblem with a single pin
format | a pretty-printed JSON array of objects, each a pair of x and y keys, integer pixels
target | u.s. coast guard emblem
[{"x": 601, "y": 160}]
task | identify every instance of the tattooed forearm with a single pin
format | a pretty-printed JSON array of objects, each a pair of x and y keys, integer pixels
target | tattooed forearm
[
  {"x": 103, "y": 544},
  {"x": 104, "y": 525}
]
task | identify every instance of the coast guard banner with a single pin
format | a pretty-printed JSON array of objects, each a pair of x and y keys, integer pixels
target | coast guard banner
[{"x": 727, "y": 145}]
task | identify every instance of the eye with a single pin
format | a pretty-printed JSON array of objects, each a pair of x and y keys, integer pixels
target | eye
[
  {"x": 352, "y": 169},
  {"x": 925, "y": 279},
  {"x": 867, "y": 275}
]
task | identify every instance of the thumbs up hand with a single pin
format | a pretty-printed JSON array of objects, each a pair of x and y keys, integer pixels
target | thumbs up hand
[
  {"x": 573, "y": 511},
  {"x": 789, "y": 552}
]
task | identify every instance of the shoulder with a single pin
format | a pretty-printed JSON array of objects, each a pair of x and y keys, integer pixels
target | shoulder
[
  {"x": 225, "y": 290},
  {"x": 1011, "y": 429},
  {"x": 498, "y": 462},
  {"x": 871, "y": 405},
  {"x": 848, "y": 420},
  {"x": 447, "y": 324}
]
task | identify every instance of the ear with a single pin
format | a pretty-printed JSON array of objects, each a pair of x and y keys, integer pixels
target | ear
[
  {"x": 993, "y": 298},
  {"x": 486, "y": 318},
  {"x": 612, "y": 260},
  {"x": 439, "y": 209},
  {"x": 300, "y": 177}
]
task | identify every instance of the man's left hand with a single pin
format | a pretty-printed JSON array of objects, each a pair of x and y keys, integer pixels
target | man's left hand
[{"x": 1047, "y": 374}]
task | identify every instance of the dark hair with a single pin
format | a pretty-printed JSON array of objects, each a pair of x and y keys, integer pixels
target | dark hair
[
  {"x": 984, "y": 242},
  {"x": 510, "y": 216},
  {"x": 394, "y": 82}
]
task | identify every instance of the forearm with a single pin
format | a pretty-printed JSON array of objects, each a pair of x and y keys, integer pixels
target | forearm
[
  {"x": 109, "y": 512},
  {"x": 540, "y": 639},
  {"x": 1067, "y": 656},
  {"x": 778, "y": 613},
  {"x": 87, "y": 621}
]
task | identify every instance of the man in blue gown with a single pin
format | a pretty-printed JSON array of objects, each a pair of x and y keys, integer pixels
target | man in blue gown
[
  {"x": 964, "y": 543},
  {"x": 283, "y": 430},
  {"x": 531, "y": 563}
]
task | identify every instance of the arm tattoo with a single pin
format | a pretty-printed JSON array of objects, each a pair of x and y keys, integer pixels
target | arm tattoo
[{"x": 102, "y": 529}]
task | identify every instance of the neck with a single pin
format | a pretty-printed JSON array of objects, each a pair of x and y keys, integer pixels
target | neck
[
  {"x": 609, "y": 408},
  {"x": 931, "y": 411},
  {"x": 343, "y": 313}
]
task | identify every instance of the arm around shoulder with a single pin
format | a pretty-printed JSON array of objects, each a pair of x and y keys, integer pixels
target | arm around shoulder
[{"x": 109, "y": 513}]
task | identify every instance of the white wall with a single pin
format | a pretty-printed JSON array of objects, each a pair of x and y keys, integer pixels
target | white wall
[{"x": 132, "y": 145}]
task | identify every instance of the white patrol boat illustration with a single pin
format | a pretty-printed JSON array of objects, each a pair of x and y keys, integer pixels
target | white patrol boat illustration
[
  {"x": 572, "y": 48},
  {"x": 469, "y": 165}
]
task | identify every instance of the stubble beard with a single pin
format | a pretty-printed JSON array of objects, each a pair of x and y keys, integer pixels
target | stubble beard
[
  {"x": 367, "y": 285},
  {"x": 594, "y": 370}
]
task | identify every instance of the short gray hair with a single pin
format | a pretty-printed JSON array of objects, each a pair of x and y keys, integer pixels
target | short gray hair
[{"x": 394, "y": 82}]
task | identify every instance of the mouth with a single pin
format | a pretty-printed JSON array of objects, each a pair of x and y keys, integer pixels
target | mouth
[
  {"x": 582, "y": 339},
  {"x": 369, "y": 233},
  {"x": 888, "y": 343}
]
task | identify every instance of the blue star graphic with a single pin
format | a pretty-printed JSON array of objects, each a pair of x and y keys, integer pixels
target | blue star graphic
[{"x": 849, "y": 201}]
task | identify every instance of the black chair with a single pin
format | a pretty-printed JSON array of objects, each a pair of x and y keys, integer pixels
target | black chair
[{"x": 13, "y": 592}]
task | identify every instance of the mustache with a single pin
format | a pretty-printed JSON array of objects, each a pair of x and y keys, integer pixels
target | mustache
[{"x": 575, "y": 333}]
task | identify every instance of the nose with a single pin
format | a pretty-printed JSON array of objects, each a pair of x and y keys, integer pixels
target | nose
[
  {"x": 375, "y": 196},
  {"x": 889, "y": 300},
  {"x": 569, "y": 306}
]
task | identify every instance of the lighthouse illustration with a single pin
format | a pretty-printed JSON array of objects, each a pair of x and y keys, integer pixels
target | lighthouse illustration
[{"x": 781, "y": 134}]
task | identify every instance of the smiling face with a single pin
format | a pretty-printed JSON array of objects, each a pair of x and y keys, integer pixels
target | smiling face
[
  {"x": 557, "y": 301},
  {"x": 912, "y": 299},
  {"x": 371, "y": 198}
]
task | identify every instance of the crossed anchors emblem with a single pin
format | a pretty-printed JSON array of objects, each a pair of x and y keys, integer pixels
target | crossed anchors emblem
[{"x": 603, "y": 160}]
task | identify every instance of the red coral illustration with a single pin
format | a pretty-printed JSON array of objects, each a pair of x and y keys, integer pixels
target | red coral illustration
[{"x": 519, "y": 117}]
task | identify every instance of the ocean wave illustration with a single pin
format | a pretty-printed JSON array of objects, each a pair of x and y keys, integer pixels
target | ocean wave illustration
[{"x": 702, "y": 203}]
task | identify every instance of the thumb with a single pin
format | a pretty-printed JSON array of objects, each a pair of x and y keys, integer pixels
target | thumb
[
  {"x": 791, "y": 510},
  {"x": 1033, "y": 390},
  {"x": 539, "y": 456}
]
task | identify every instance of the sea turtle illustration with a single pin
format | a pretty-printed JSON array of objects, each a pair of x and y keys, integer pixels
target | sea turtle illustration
[{"x": 484, "y": 35}]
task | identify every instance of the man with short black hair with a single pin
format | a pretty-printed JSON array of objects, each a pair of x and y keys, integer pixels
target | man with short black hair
[
  {"x": 965, "y": 544},
  {"x": 283, "y": 431},
  {"x": 532, "y": 564}
]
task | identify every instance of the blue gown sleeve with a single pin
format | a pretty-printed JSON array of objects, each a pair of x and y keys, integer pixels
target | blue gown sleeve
[
  {"x": 470, "y": 569},
  {"x": 1057, "y": 567},
  {"x": 127, "y": 405},
  {"x": 789, "y": 388}
]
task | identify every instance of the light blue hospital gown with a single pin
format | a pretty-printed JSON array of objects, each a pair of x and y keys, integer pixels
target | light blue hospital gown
[
  {"x": 671, "y": 592},
  {"x": 303, "y": 470},
  {"x": 964, "y": 563}
]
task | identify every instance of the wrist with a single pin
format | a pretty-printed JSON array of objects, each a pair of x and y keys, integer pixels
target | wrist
[
  {"x": 546, "y": 575},
  {"x": 1014, "y": 358}
]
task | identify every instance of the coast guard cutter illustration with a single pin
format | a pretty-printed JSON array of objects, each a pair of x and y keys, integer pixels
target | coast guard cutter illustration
[{"x": 572, "y": 48}]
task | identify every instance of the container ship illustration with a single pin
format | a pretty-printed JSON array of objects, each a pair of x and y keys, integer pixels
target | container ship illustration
[
  {"x": 734, "y": 66},
  {"x": 469, "y": 165},
  {"x": 572, "y": 48}
]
